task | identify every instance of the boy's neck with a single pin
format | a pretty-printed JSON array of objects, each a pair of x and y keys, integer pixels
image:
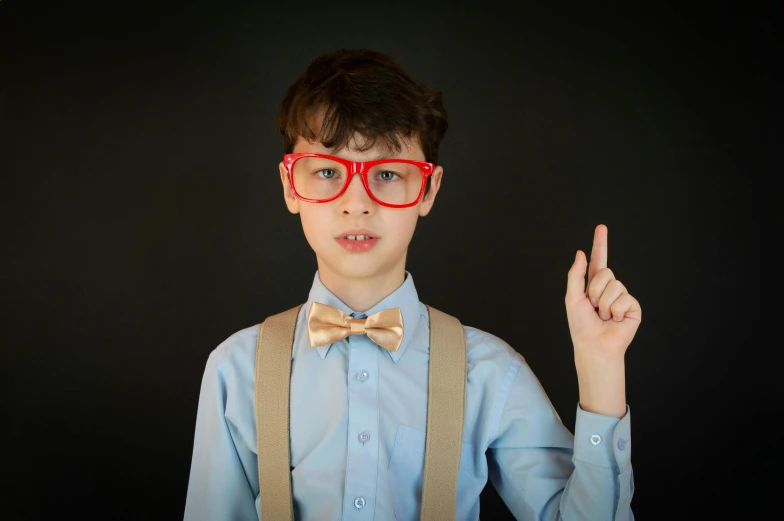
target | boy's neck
[{"x": 362, "y": 293}]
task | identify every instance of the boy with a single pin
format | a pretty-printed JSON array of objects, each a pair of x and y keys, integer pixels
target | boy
[{"x": 358, "y": 406}]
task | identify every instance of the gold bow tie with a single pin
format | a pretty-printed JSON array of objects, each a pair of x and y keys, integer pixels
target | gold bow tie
[{"x": 327, "y": 325}]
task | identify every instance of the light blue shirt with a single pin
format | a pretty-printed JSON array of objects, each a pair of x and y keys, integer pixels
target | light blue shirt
[{"x": 358, "y": 418}]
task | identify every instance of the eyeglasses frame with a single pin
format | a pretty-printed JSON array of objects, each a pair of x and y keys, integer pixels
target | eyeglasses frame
[{"x": 362, "y": 168}]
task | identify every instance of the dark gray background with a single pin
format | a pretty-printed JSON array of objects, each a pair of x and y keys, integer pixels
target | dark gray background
[{"x": 143, "y": 223}]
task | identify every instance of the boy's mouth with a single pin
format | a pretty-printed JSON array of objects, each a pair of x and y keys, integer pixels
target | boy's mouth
[{"x": 357, "y": 241}]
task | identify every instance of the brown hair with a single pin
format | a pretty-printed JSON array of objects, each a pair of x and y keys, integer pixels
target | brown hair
[{"x": 366, "y": 92}]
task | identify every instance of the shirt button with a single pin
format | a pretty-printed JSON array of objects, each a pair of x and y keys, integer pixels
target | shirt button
[
  {"x": 359, "y": 503},
  {"x": 365, "y": 436},
  {"x": 596, "y": 439},
  {"x": 621, "y": 444},
  {"x": 362, "y": 376}
]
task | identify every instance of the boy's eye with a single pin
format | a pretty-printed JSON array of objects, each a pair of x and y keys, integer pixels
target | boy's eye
[
  {"x": 327, "y": 173},
  {"x": 387, "y": 175}
]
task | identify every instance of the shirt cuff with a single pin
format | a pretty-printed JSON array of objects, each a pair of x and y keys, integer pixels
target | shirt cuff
[{"x": 603, "y": 440}]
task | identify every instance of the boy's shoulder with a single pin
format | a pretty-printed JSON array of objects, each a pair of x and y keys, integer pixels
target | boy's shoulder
[
  {"x": 484, "y": 345},
  {"x": 236, "y": 350}
]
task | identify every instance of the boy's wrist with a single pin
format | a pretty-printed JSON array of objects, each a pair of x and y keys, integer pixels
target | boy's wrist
[{"x": 602, "y": 385}]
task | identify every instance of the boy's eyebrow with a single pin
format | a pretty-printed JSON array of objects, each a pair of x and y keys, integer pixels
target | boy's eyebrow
[{"x": 376, "y": 158}]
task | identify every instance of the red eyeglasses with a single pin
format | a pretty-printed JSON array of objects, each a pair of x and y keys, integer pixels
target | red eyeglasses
[{"x": 320, "y": 178}]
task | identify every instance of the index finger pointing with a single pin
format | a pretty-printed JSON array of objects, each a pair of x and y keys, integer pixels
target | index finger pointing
[{"x": 598, "y": 252}]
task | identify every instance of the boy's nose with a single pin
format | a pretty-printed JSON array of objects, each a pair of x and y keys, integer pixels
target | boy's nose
[{"x": 356, "y": 199}]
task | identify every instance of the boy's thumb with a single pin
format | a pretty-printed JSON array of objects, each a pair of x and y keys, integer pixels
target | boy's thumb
[{"x": 575, "y": 282}]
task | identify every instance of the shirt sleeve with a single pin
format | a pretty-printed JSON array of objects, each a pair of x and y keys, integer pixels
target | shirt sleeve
[
  {"x": 218, "y": 487},
  {"x": 543, "y": 472}
]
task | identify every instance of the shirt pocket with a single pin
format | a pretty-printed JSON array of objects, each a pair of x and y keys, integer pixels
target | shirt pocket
[{"x": 407, "y": 467}]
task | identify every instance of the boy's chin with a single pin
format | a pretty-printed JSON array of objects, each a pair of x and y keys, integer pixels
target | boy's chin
[{"x": 362, "y": 266}]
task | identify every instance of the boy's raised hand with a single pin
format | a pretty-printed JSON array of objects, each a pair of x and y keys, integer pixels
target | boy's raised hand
[{"x": 604, "y": 317}]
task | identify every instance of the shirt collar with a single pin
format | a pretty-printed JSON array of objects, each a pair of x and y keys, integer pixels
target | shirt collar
[{"x": 404, "y": 297}]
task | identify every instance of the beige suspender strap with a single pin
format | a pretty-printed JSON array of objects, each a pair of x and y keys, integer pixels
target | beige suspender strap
[
  {"x": 273, "y": 378},
  {"x": 445, "y": 406},
  {"x": 445, "y": 410}
]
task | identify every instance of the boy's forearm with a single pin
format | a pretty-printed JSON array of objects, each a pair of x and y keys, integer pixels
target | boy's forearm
[{"x": 602, "y": 386}]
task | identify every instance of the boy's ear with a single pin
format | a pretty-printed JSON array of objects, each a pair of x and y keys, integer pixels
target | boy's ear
[
  {"x": 291, "y": 200},
  {"x": 428, "y": 199}
]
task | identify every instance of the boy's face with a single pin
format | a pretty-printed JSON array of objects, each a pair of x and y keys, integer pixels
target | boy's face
[{"x": 327, "y": 224}]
